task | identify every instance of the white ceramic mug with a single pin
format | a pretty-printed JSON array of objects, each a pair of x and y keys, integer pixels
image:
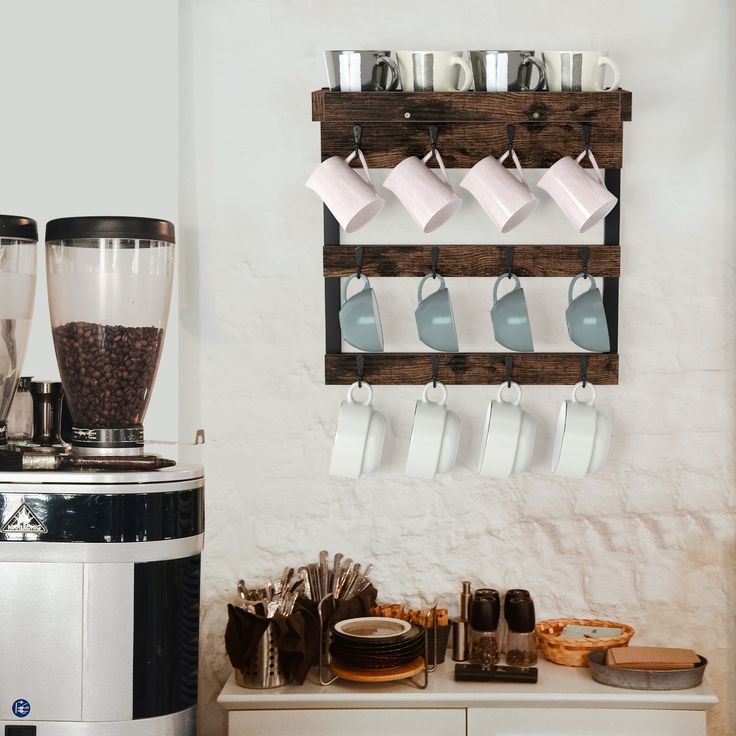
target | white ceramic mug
[
  {"x": 508, "y": 201},
  {"x": 359, "y": 437},
  {"x": 579, "y": 71},
  {"x": 581, "y": 196},
  {"x": 508, "y": 436},
  {"x": 435, "y": 436},
  {"x": 434, "y": 71},
  {"x": 582, "y": 438},
  {"x": 353, "y": 201},
  {"x": 429, "y": 199}
]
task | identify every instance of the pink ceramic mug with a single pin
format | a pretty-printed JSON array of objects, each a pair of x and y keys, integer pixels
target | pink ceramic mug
[
  {"x": 583, "y": 198},
  {"x": 508, "y": 201},
  {"x": 429, "y": 199},
  {"x": 352, "y": 200}
]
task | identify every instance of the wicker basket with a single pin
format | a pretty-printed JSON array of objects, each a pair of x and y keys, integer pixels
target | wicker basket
[{"x": 574, "y": 652}]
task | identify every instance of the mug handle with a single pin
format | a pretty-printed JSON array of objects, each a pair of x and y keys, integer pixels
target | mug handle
[
  {"x": 443, "y": 170},
  {"x": 574, "y": 281},
  {"x": 344, "y": 287},
  {"x": 607, "y": 61},
  {"x": 460, "y": 61},
  {"x": 594, "y": 163},
  {"x": 424, "y": 280},
  {"x": 517, "y": 284},
  {"x": 515, "y": 159},
  {"x": 516, "y": 401},
  {"x": 529, "y": 59},
  {"x": 579, "y": 385},
  {"x": 354, "y": 387},
  {"x": 440, "y": 386},
  {"x": 393, "y": 68},
  {"x": 359, "y": 154}
]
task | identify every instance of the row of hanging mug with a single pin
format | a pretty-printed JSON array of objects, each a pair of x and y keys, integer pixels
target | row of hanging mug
[
  {"x": 360, "y": 320},
  {"x": 486, "y": 71},
  {"x": 581, "y": 442},
  {"x": 431, "y": 200}
]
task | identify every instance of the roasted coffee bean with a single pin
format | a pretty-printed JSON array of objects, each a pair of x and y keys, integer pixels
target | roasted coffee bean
[{"x": 107, "y": 372}]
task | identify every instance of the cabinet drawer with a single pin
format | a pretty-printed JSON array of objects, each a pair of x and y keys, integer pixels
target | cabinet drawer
[
  {"x": 584, "y": 722},
  {"x": 348, "y": 722}
]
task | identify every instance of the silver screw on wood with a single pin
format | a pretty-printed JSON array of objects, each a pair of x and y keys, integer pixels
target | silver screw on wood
[{"x": 407, "y": 114}]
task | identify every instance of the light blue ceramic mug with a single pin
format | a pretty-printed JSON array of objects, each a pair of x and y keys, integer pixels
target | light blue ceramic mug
[
  {"x": 586, "y": 317},
  {"x": 359, "y": 318},
  {"x": 435, "y": 321},
  {"x": 510, "y": 317}
]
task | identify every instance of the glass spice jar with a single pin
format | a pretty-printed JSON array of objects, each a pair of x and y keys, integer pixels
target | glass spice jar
[
  {"x": 485, "y": 611},
  {"x": 521, "y": 643}
]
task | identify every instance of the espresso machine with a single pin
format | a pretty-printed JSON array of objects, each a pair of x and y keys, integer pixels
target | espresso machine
[{"x": 100, "y": 542}]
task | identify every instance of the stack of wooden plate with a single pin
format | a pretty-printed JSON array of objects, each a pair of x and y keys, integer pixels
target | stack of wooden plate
[{"x": 375, "y": 649}]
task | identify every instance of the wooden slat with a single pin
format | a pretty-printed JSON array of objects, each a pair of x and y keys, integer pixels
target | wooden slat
[
  {"x": 471, "y": 368},
  {"x": 462, "y": 145},
  {"x": 472, "y": 260},
  {"x": 607, "y": 108}
]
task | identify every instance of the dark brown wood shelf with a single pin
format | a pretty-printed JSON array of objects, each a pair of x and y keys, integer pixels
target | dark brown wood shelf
[
  {"x": 471, "y": 368},
  {"x": 472, "y": 260}
]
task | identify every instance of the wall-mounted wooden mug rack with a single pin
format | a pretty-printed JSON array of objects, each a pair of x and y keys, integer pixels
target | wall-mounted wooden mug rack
[{"x": 472, "y": 125}]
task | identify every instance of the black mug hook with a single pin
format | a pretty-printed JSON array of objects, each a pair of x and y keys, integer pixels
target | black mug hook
[
  {"x": 510, "y": 261},
  {"x": 360, "y": 363},
  {"x": 434, "y": 133},
  {"x": 587, "y": 130},
  {"x": 358, "y": 261},
  {"x": 584, "y": 256},
  {"x": 435, "y": 369},
  {"x": 357, "y": 135},
  {"x": 510, "y": 132},
  {"x": 435, "y": 258},
  {"x": 509, "y": 360},
  {"x": 584, "y": 370}
]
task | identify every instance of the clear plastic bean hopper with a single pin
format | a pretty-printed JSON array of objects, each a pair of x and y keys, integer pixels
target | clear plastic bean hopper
[
  {"x": 18, "y": 245},
  {"x": 109, "y": 286}
]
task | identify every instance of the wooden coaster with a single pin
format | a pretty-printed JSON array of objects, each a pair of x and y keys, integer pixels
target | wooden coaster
[{"x": 390, "y": 674}]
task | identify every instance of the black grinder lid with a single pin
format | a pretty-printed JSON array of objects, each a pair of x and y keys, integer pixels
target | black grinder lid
[
  {"x": 129, "y": 228},
  {"x": 22, "y": 228}
]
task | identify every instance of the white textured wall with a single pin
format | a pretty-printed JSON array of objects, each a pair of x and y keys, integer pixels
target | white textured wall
[{"x": 651, "y": 540}]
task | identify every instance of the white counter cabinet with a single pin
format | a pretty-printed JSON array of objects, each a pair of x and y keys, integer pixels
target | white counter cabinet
[{"x": 565, "y": 702}]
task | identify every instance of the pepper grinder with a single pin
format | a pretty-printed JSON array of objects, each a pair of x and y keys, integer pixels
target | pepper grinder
[
  {"x": 460, "y": 642},
  {"x": 485, "y": 612},
  {"x": 521, "y": 643}
]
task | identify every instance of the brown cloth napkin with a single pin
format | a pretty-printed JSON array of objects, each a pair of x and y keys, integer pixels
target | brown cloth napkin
[
  {"x": 337, "y": 610},
  {"x": 296, "y": 636}
]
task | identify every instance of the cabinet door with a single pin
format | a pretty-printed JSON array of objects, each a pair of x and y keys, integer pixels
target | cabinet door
[
  {"x": 364, "y": 722},
  {"x": 584, "y": 722}
]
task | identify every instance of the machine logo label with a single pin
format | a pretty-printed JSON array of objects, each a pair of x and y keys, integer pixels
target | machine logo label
[
  {"x": 21, "y": 708},
  {"x": 23, "y": 521}
]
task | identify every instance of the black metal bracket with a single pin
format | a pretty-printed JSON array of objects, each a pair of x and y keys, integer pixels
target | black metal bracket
[
  {"x": 509, "y": 361},
  {"x": 510, "y": 133},
  {"x": 587, "y": 130},
  {"x": 585, "y": 257},
  {"x": 510, "y": 261},
  {"x": 435, "y": 259},
  {"x": 357, "y": 135},
  {"x": 360, "y": 363},
  {"x": 584, "y": 370},
  {"x": 358, "y": 261},
  {"x": 434, "y": 132},
  {"x": 435, "y": 369}
]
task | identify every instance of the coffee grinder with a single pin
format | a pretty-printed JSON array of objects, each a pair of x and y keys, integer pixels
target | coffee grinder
[{"x": 100, "y": 543}]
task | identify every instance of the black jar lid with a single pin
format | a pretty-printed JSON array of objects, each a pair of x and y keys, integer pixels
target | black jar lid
[
  {"x": 513, "y": 593},
  {"x": 485, "y": 610},
  {"x": 520, "y": 615},
  {"x": 22, "y": 228},
  {"x": 129, "y": 228}
]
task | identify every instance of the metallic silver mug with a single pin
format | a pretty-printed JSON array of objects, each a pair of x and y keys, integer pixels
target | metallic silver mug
[
  {"x": 361, "y": 71},
  {"x": 506, "y": 71}
]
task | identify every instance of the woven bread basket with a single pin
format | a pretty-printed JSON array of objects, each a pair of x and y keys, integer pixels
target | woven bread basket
[{"x": 574, "y": 652}]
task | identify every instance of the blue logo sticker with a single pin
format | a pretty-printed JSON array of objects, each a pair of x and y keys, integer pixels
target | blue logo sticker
[{"x": 21, "y": 708}]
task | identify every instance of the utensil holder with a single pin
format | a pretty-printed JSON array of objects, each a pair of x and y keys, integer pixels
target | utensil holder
[{"x": 265, "y": 668}]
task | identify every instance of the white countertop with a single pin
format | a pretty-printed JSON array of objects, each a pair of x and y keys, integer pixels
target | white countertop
[{"x": 558, "y": 687}]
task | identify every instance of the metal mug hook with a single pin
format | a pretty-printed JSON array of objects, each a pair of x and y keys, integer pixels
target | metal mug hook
[
  {"x": 509, "y": 361},
  {"x": 510, "y": 261},
  {"x": 510, "y": 132},
  {"x": 434, "y": 132},
  {"x": 357, "y": 135},
  {"x": 587, "y": 130},
  {"x": 435, "y": 369},
  {"x": 358, "y": 261},
  {"x": 360, "y": 363},
  {"x": 584, "y": 257},
  {"x": 435, "y": 258},
  {"x": 584, "y": 370}
]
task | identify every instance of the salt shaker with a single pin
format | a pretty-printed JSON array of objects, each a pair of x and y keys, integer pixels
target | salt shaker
[
  {"x": 521, "y": 643},
  {"x": 485, "y": 612}
]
